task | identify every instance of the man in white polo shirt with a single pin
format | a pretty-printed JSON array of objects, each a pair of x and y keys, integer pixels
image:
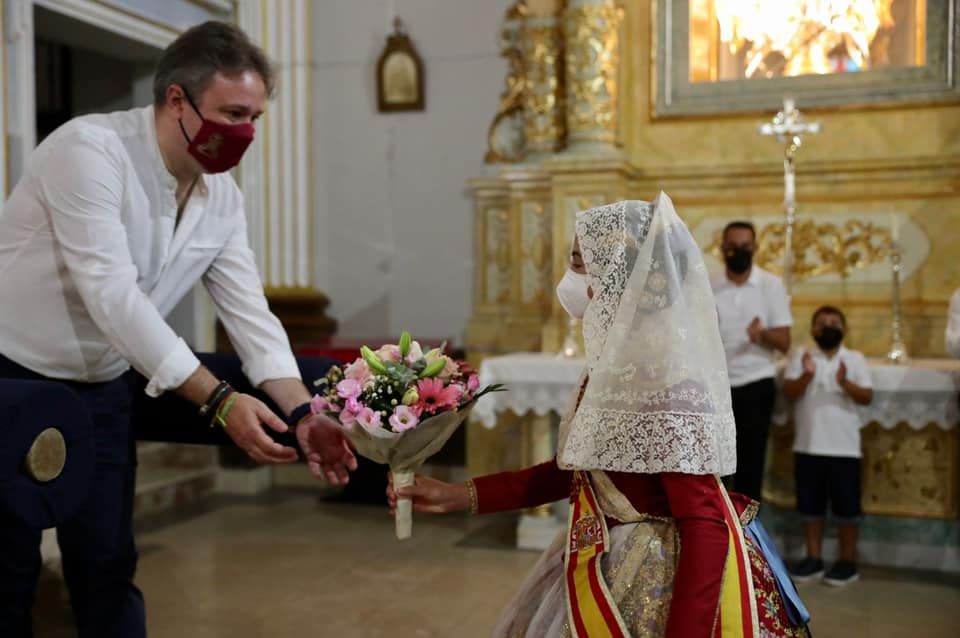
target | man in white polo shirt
[
  {"x": 755, "y": 320},
  {"x": 115, "y": 219}
]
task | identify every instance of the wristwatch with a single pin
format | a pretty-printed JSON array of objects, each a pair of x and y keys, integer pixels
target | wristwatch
[{"x": 299, "y": 413}]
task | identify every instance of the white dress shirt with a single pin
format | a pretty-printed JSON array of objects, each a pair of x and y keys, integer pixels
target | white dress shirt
[
  {"x": 826, "y": 417},
  {"x": 952, "y": 336},
  {"x": 761, "y": 296},
  {"x": 92, "y": 260}
]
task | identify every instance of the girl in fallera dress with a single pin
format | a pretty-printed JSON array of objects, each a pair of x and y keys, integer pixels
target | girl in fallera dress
[{"x": 655, "y": 546}]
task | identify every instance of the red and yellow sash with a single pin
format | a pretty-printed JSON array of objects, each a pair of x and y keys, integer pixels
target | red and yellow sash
[
  {"x": 590, "y": 608},
  {"x": 737, "y": 614}
]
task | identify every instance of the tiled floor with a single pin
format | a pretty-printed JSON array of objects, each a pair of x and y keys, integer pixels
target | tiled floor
[{"x": 288, "y": 566}]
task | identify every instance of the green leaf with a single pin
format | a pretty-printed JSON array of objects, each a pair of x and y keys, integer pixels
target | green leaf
[
  {"x": 401, "y": 373},
  {"x": 496, "y": 387}
]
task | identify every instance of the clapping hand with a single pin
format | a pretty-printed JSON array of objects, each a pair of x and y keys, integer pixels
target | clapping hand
[
  {"x": 755, "y": 330},
  {"x": 809, "y": 367},
  {"x": 842, "y": 374}
]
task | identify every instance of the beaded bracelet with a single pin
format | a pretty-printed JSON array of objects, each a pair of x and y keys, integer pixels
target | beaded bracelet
[{"x": 472, "y": 493}]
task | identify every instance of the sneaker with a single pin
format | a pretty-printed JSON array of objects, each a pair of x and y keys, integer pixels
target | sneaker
[
  {"x": 842, "y": 573},
  {"x": 807, "y": 569}
]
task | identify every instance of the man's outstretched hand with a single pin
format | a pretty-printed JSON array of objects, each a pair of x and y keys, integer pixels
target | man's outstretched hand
[{"x": 328, "y": 454}]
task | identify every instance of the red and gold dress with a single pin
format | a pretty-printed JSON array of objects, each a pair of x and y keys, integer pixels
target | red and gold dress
[{"x": 653, "y": 587}]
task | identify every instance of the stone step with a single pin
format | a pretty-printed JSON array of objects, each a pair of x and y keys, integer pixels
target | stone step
[
  {"x": 175, "y": 455},
  {"x": 172, "y": 476},
  {"x": 164, "y": 489}
]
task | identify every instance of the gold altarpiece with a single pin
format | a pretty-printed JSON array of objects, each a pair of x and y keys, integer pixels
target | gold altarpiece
[{"x": 578, "y": 126}]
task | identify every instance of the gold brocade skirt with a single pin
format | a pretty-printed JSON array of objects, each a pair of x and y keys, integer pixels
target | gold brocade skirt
[{"x": 638, "y": 569}]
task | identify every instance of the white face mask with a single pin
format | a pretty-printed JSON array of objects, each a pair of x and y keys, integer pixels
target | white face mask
[{"x": 573, "y": 295}]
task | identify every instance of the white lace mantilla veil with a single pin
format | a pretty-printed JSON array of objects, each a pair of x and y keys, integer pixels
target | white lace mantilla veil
[{"x": 658, "y": 398}]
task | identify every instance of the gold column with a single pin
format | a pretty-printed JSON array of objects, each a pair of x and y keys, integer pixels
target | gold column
[
  {"x": 591, "y": 32},
  {"x": 541, "y": 45}
]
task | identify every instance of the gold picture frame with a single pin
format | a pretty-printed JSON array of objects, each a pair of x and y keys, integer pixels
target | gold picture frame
[
  {"x": 400, "y": 81},
  {"x": 676, "y": 95}
]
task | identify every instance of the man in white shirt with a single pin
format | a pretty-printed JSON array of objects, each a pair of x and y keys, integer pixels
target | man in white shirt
[
  {"x": 952, "y": 336},
  {"x": 755, "y": 320},
  {"x": 115, "y": 219},
  {"x": 828, "y": 383}
]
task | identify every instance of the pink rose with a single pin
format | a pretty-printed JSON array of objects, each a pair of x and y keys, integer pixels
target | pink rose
[
  {"x": 354, "y": 405},
  {"x": 369, "y": 419},
  {"x": 359, "y": 371},
  {"x": 390, "y": 353},
  {"x": 473, "y": 383},
  {"x": 349, "y": 388},
  {"x": 403, "y": 419},
  {"x": 450, "y": 368}
]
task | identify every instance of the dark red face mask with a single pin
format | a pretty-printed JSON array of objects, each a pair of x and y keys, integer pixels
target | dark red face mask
[{"x": 218, "y": 147}]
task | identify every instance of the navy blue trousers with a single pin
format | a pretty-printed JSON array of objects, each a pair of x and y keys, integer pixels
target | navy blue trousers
[{"x": 98, "y": 551}]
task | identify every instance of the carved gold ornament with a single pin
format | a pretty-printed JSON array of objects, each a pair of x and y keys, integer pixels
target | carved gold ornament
[
  {"x": 819, "y": 248},
  {"x": 512, "y": 98},
  {"x": 543, "y": 125}
]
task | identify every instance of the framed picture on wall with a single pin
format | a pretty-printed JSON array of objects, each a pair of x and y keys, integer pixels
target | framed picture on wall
[
  {"x": 400, "y": 74},
  {"x": 728, "y": 56}
]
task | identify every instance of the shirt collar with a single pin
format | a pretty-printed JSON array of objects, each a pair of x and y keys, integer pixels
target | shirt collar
[
  {"x": 752, "y": 280},
  {"x": 159, "y": 166},
  {"x": 820, "y": 353}
]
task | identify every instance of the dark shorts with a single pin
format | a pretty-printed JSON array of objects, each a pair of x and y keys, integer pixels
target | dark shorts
[{"x": 823, "y": 479}]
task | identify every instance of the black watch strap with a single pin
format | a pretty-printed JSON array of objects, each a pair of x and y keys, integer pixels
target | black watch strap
[{"x": 298, "y": 413}]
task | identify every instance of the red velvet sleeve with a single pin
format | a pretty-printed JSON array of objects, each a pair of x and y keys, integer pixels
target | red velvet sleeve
[
  {"x": 695, "y": 503},
  {"x": 544, "y": 483}
]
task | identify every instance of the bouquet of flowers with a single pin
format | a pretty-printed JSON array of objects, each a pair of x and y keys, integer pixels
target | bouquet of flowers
[{"x": 398, "y": 405}]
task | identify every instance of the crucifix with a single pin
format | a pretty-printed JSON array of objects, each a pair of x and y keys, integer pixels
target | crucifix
[{"x": 789, "y": 126}]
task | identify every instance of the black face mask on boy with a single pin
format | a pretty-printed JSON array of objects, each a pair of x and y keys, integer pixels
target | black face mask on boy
[{"x": 829, "y": 338}]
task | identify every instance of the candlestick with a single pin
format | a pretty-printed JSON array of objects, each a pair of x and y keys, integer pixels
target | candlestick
[{"x": 898, "y": 350}]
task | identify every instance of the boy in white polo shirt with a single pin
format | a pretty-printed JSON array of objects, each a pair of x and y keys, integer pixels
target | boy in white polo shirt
[{"x": 827, "y": 383}]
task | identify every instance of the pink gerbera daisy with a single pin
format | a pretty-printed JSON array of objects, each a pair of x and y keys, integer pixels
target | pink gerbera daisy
[{"x": 434, "y": 397}]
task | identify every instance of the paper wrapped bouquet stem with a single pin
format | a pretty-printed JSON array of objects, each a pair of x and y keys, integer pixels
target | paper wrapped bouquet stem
[{"x": 404, "y": 515}]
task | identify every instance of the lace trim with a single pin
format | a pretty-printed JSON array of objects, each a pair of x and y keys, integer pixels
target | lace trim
[
  {"x": 677, "y": 398},
  {"x": 675, "y": 441},
  {"x": 607, "y": 243}
]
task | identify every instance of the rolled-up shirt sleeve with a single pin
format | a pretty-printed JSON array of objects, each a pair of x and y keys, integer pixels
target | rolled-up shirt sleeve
[
  {"x": 255, "y": 332},
  {"x": 82, "y": 188}
]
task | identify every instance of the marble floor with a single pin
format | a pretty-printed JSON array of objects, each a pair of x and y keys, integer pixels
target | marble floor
[{"x": 288, "y": 565}]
